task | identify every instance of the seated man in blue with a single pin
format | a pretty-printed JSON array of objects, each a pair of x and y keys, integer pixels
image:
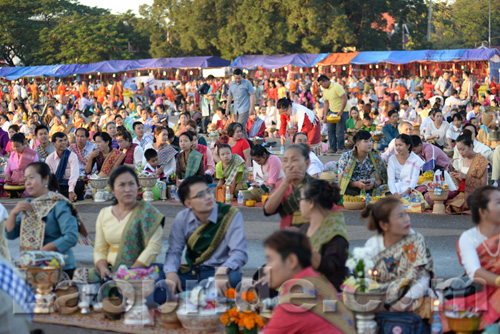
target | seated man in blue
[
  {"x": 390, "y": 130},
  {"x": 214, "y": 235}
]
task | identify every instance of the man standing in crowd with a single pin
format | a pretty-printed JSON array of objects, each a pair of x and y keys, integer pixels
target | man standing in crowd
[
  {"x": 243, "y": 93},
  {"x": 336, "y": 102},
  {"x": 64, "y": 165},
  {"x": 82, "y": 148},
  {"x": 443, "y": 86},
  {"x": 207, "y": 97},
  {"x": 45, "y": 148}
]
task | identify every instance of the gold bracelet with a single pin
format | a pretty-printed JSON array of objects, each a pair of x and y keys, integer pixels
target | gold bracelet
[{"x": 497, "y": 282}]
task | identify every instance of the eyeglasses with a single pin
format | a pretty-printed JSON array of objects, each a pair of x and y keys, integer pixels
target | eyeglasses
[{"x": 202, "y": 194}]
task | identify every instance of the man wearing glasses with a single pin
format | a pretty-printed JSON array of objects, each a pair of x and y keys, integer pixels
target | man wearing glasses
[{"x": 214, "y": 234}]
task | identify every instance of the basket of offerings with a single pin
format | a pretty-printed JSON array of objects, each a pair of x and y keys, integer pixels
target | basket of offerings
[
  {"x": 333, "y": 119},
  {"x": 43, "y": 271},
  {"x": 14, "y": 189},
  {"x": 258, "y": 140},
  {"x": 377, "y": 136},
  {"x": 449, "y": 152},
  {"x": 463, "y": 322},
  {"x": 354, "y": 202},
  {"x": 328, "y": 176},
  {"x": 199, "y": 309},
  {"x": 426, "y": 177}
]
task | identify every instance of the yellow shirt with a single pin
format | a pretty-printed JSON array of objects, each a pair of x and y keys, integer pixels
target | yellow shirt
[
  {"x": 56, "y": 128},
  {"x": 333, "y": 95},
  {"x": 108, "y": 234},
  {"x": 281, "y": 92}
]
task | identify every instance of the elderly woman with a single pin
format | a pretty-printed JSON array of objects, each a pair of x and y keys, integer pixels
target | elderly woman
[
  {"x": 436, "y": 130},
  {"x": 166, "y": 153},
  {"x": 478, "y": 250},
  {"x": 49, "y": 222},
  {"x": 400, "y": 255},
  {"x": 403, "y": 169},
  {"x": 326, "y": 230},
  {"x": 19, "y": 159},
  {"x": 286, "y": 195},
  {"x": 106, "y": 158},
  {"x": 471, "y": 173},
  {"x": 126, "y": 218},
  {"x": 362, "y": 168},
  {"x": 189, "y": 161}
]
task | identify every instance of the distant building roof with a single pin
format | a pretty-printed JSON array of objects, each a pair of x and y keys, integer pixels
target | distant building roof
[{"x": 388, "y": 27}]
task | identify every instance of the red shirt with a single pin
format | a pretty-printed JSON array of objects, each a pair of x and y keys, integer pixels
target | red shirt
[
  {"x": 261, "y": 130},
  {"x": 240, "y": 146},
  {"x": 307, "y": 126},
  {"x": 292, "y": 319},
  {"x": 428, "y": 90}
]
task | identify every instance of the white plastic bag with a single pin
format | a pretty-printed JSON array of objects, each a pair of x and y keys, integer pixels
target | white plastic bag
[{"x": 449, "y": 181}]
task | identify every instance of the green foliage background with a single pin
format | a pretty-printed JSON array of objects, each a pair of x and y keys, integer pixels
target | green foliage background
[{"x": 44, "y": 32}]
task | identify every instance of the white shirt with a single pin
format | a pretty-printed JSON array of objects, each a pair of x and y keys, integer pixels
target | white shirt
[
  {"x": 453, "y": 132},
  {"x": 315, "y": 166},
  {"x": 424, "y": 125},
  {"x": 409, "y": 115},
  {"x": 402, "y": 177},
  {"x": 471, "y": 114},
  {"x": 6, "y": 125},
  {"x": 467, "y": 245},
  {"x": 450, "y": 103},
  {"x": 431, "y": 130},
  {"x": 138, "y": 155},
  {"x": 72, "y": 171}
]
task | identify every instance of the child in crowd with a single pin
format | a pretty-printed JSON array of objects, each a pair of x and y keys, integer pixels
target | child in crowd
[
  {"x": 368, "y": 123},
  {"x": 231, "y": 170},
  {"x": 153, "y": 166}
]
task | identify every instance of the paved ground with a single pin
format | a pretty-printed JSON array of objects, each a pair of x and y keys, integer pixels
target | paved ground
[{"x": 441, "y": 233}]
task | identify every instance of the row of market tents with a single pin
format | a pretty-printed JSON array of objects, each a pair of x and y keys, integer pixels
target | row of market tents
[{"x": 256, "y": 61}]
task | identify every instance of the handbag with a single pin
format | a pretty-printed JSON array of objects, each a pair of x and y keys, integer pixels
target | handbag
[
  {"x": 461, "y": 287},
  {"x": 402, "y": 323}
]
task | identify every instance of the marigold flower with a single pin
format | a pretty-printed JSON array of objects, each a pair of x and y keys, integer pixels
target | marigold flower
[
  {"x": 249, "y": 296},
  {"x": 230, "y": 293}
]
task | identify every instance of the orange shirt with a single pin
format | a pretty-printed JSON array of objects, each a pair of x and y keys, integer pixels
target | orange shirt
[
  {"x": 293, "y": 86},
  {"x": 402, "y": 92},
  {"x": 61, "y": 90},
  {"x": 169, "y": 94}
]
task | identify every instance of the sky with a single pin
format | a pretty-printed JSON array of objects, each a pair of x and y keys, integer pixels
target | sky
[{"x": 117, "y": 6}]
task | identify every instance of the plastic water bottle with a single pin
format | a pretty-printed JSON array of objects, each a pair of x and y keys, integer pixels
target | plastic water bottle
[
  {"x": 282, "y": 150},
  {"x": 240, "y": 197},
  {"x": 368, "y": 198},
  {"x": 495, "y": 184},
  {"x": 228, "y": 195},
  {"x": 173, "y": 194},
  {"x": 270, "y": 149},
  {"x": 436, "y": 325}
]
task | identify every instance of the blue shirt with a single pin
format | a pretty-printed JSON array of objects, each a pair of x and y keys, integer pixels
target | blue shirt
[
  {"x": 390, "y": 132},
  {"x": 231, "y": 253},
  {"x": 241, "y": 94},
  {"x": 133, "y": 87},
  {"x": 61, "y": 228}
]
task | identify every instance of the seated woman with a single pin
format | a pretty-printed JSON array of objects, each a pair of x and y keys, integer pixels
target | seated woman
[
  {"x": 238, "y": 144},
  {"x": 189, "y": 161},
  {"x": 106, "y": 158},
  {"x": 266, "y": 167},
  {"x": 208, "y": 158},
  {"x": 315, "y": 166},
  {"x": 362, "y": 168},
  {"x": 354, "y": 123},
  {"x": 231, "y": 170},
  {"x": 57, "y": 126},
  {"x": 471, "y": 174},
  {"x": 180, "y": 127},
  {"x": 326, "y": 230},
  {"x": 13, "y": 129},
  {"x": 400, "y": 255},
  {"x": 477, "y": 251},
  {"x": 403, "y": 168},
  {"x": 128, "y": 232},
  {"x": 193, "y": 127},
  {"x": 222, "y": 121},
  {"x": 286, "y": 195},
  {"x": 454, "y": 130},
  {"x": 19, "y": 159},
  {"x": 489, "y": 120},
  {"x": 49, "y": 221},
  {"x": 166, "y": 152},
  {"x": 288, "y": 255},
  {"x": 436, "y": 130}
]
